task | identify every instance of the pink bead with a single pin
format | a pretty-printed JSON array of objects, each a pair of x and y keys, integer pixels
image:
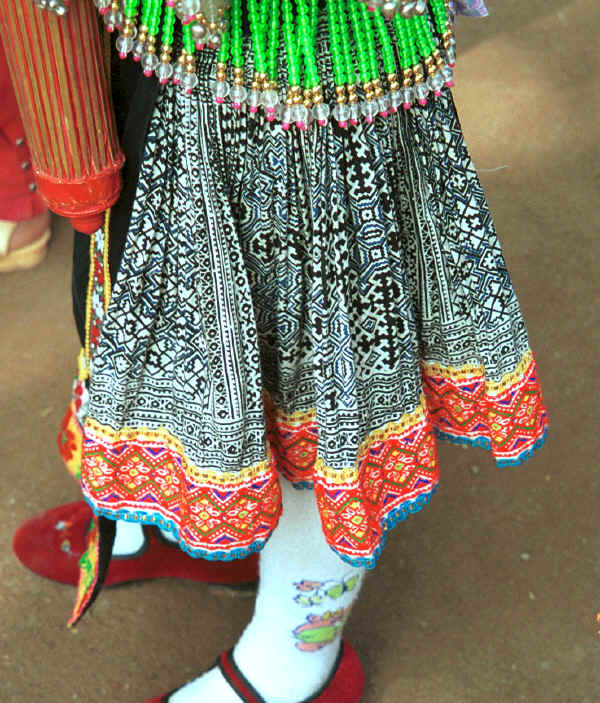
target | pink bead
[
  {"x": 384, "y": 113},
  {"x": 110, "y": 28},
  {"x": 270, "y": 116},
  {"x": 370, "y": 8},
  {"x": 353, "y": 122},
  {"x": 452, "y": 65},
  {"x": 220, "y": 100},
  {"x": 137, "y": 58},
  {"x": 164, "y": 81},
  {"x": 285, "y": 125},
  {"x": 189, "y": 91},
  {"x": 189, "y": 19},
  {"x": 253, "y": 109},
  {"x": 147, "y": 72},
  {"x": 104, "y": 10},
  {"x": 301, "y": 125},
  {"x": 343, "y": 124},
  {"x": 171, "y": 3},
  {"x": 237, "y": 106},
  {"x": 176, "y": 81},
  {"x": 369, "y": 119},
  {"x": 422, "y": 102},
  {"x": 123, "y": 55},
  {"x": 322, "y": 123},
  {"x": 406, "y": 106},
  {"x": 450, "y": 83},
  {"x": 437, "y": 93},
  {"x": 200, "y": 46},
  {"x": 211, "y": 46},
  {"x": 393, "y": 110}
]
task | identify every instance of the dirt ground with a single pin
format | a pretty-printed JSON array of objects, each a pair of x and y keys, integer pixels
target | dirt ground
[{"x": 489, "y": 595}]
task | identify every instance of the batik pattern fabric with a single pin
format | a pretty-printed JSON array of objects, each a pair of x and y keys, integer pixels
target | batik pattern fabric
[{"x": 313, "y": 307}]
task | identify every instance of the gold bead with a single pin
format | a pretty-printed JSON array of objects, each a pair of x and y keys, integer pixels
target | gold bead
[
  {"x": 238, "y": 80},
  {"x": 394, "y": 86},
  {"x": 237, "y": 71},
  {"x": 392, "y": 77},
  {"x": 212, "y": 26}
]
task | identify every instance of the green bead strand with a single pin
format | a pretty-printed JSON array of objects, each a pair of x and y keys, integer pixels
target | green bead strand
[
  {"x": 311, "y": 75},
  {"x": 188, "y": 40},
  {"x": 336, "y": 51},
  {"x": 291, "y": 46},
  {"x": 237, "y": 36},
  {"x": 367, "y": 23},
  {"x": 406, "y": 42},
  {"x": 424, "y": 40},
  {"x": 359, "y": 40},
  {"x": 387, "y": 50},
  {"x": 273, "y": 40},
  {"x": 131, "y": 9},
  {"x": 155, "y": 17},
  {"x": 168, "y": 27},
  {"x": 258, "y": 38},
  {"x": 440, "y": 15},
  {"x": 346, "y": 46}
]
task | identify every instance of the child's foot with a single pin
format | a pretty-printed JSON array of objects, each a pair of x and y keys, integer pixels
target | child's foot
[
  {"x": 225, "y": 683},
  {"x": 51, "y": 544}
]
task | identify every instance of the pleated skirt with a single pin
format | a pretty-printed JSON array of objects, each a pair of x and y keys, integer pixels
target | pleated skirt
[{"x": 310, "y": 306}]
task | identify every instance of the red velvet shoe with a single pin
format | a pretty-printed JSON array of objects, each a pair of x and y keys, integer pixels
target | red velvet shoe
[
  {"x": 51, "y": 544},
  {"x": 345, "y": 685}
]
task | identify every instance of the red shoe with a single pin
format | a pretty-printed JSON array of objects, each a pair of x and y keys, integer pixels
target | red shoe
[
  {"x": 51, "y": 544},
  {"x": 346, "y": 683}
]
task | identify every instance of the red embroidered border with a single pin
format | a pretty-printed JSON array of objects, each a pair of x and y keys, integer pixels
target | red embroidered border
[{"x": 395, "y": 474}]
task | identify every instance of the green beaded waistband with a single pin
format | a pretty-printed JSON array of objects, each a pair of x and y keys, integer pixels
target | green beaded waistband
[{"x": 385, "y": 54}]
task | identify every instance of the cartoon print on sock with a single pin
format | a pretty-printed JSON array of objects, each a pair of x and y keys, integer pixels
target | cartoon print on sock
[
  {"x": 320, "y": 630},
  {"x": 314, "y": 592}
]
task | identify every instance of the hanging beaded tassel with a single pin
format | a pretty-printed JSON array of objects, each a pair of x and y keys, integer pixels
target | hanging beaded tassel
[{"x": 385, "y": 54}]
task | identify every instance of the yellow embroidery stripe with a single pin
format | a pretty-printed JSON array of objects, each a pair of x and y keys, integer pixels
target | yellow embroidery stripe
[
  {"x": 162, "y": 436},
  {"x": 464, "y": 373}
]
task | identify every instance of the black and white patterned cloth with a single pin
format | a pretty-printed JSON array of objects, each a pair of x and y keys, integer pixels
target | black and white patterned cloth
[{"x": 322, "y": 266}]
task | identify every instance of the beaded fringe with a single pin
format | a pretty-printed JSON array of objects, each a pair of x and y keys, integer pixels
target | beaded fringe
[{"x": 385, "y": 54}]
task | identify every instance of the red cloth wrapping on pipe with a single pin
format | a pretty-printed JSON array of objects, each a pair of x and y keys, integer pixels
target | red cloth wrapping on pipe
[{"x": 58, "y": 75}]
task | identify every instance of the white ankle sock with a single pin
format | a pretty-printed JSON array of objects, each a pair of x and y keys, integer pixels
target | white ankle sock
[
  {"x": 305, "y": 593},
  {"x": 129, "y": 538}
]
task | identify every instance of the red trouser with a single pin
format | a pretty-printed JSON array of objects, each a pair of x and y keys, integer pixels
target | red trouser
[{"x": 18, "y": 197}]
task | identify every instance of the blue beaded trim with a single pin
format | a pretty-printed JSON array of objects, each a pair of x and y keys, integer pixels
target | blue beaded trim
[
  {"x": 153, "y": 519},
  {"x": 484, "y": 442}
]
